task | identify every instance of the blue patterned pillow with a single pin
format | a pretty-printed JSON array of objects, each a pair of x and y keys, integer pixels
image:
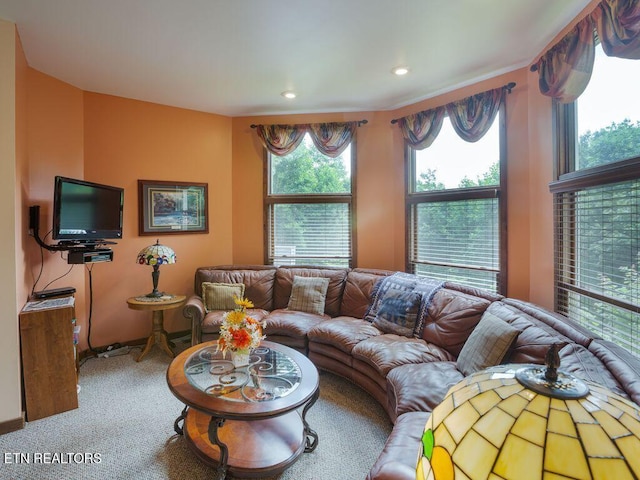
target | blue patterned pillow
[
  {"x": 398, "y": 312},
  {"x": 423, "y": 287}
]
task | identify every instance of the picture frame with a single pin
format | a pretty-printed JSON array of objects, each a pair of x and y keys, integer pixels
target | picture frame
[{"x": 167, "y": 207}]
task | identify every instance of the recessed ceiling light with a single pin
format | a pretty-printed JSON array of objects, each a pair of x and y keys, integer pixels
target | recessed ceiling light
[
  {"x": 288, "y": 94},
  {"x": 400, "y": 71}
]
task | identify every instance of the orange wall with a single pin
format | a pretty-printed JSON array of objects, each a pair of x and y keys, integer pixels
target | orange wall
[
  {"x": 127, "y": 140},
  {"x": 55, "y": 144},
  {"x": 117, "y": 141},
  {"x": 51, "y": 128},
  {"x": 380, "y": 185}
]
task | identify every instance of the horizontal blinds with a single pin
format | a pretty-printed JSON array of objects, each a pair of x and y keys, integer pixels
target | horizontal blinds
[
  {"x": 457, "y": 241},
  {"x": 310, "y": 234},
  {"x": 597, "y": 253}
]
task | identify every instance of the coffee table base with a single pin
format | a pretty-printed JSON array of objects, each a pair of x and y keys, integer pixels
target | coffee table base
[{"x": 257, "y": 448}]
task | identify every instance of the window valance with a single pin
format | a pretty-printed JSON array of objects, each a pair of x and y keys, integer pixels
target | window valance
[
  {"x": 565, "y": 69},
  {"x": 329, "y": 138},
  {"x": 471, "y": 118}
]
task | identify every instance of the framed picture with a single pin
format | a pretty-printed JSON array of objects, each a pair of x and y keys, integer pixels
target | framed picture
[{"x": 172, "y": 207}]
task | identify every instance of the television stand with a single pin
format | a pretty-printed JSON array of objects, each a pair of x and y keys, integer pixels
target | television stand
[
  {"x": 85, "y": 245},
  {"x": 88, "y": 255}
]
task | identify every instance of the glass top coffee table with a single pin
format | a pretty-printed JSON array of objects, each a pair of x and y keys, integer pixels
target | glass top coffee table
[{"x": 244, "y": 420}]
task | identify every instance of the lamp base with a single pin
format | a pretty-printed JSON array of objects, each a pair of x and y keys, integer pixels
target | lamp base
[{"x": 155, "y": 294}]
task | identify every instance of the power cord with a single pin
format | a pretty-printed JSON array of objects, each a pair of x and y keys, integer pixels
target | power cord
[{"x": 90, "y": 270}]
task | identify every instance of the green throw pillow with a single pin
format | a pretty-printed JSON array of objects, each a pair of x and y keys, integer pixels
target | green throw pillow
[
  {"x": 219, "y": 296},
  {"x": 308, "y": 294}
]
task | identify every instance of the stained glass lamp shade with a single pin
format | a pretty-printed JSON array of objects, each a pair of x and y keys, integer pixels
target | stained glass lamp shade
[
  {"x": 492, "y": 426},
  {"x": 156, "y": 255}
]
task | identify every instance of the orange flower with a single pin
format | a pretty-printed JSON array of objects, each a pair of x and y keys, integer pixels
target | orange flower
[
  {"x": 238, "y": 331},
  {"x": 241, "y": 338}
]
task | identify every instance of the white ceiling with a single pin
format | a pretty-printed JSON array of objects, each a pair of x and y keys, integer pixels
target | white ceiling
[{"x": 235, "y": 57}]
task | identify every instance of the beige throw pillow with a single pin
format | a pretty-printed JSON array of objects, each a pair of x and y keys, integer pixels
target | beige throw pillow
[
  {"x": 487, "y": 345},
  {"x": 308, "y": 294},
  {"x": 219, "y": 296}
]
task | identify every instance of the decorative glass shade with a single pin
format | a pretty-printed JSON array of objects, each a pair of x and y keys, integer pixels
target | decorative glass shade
[
  {"x": 492, "y": 426},
  {"x": 156, "y": 255}
]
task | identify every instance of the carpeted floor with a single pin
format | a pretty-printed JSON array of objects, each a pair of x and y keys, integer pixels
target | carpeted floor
[{"x": 123, "y": 429}]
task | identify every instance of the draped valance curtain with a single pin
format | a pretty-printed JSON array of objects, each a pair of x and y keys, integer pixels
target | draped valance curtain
[
  {"x": 329, "y": 138},
  {"x": 471, "y": 118},
  {"x": 565, "y": 70}
]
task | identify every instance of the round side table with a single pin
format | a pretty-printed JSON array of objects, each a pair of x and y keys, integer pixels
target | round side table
[{"x": 157, "y": 306}]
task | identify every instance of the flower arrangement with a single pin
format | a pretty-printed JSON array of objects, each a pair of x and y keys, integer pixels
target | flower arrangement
[{"x": 240, "y": 332}]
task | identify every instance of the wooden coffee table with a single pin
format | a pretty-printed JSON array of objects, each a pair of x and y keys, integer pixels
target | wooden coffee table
[{"x": 243, "y": 420}]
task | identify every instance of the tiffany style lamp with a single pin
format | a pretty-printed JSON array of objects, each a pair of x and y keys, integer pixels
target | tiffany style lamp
[{"x": 530, "y": 422}]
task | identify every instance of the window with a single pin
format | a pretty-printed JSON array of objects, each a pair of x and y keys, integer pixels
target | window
[
  {"x": 309, "y": 207},
  {"x": 597, "y": 203},
  {"x": 455, "y": 210}
]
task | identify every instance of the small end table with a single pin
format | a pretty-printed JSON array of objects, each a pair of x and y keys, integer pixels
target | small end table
[{"x": 157, "y": 306}]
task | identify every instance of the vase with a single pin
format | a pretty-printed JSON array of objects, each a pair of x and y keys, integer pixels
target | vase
[{"x": 240, "y": 358}]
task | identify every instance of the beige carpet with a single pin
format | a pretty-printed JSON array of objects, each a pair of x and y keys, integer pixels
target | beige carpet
[{"x": 126, "y": 419}]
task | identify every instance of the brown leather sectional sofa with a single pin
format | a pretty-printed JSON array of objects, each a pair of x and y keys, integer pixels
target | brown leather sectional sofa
[{"x": 408, "y": 376}]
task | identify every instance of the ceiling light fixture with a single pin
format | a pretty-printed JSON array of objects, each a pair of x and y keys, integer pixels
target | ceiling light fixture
[
  {"x": 400, "y": 71},
  {"x": 288, "y": 94}
]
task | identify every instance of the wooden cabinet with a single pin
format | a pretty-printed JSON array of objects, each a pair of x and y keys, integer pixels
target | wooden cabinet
[{"x": 48, "y": 361}]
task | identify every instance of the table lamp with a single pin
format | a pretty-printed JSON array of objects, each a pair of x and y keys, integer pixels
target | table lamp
[
  {"x": 156, "y": 255},
  {"x": 517, "y": 422}
]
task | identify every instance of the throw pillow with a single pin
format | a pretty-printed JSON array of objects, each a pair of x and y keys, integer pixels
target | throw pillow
[
  {"x": 487, "y": 345},
  {"x": 219, "y": 296},
  {"x": 308, "y": 294},
  {"x": 398, "y": 312}
]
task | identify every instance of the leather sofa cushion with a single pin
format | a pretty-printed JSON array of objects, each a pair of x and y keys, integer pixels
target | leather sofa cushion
[
  {"x": 562, "y": 324},
  {"x": 370, "y": 371},
  {"x": 341, "y": 362},
  {"x": 452, "y": 316},
  {"x": 384, "y": 352},
  {"x": 579, "y": 361},
  {"x": 420, "y": 387},
  {"x": 474, "y": 292},
  {"x": 398, "y": 459},
  {"x": 284, "y": 282},
  {"x": 535, "y": 338},
  {"x": 357, "y": 291},
  {"x": 343, "y": 333},
  {"x": 291, "y": 323},
  {"x": 621, "y": 364},
  {"x": 257, "y": 279},
  {"x": 212, "y": 320}
]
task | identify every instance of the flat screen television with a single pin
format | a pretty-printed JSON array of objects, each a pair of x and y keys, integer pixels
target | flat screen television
[{"x": 86, "y": 212}]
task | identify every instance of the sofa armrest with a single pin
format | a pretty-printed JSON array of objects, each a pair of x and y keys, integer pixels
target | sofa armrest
[
  {"x": 194, "y": 310},
  {"x": 398, "y": 460}
]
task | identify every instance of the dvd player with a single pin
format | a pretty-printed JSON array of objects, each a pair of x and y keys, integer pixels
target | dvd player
[{"x": 54, "y": 292}]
